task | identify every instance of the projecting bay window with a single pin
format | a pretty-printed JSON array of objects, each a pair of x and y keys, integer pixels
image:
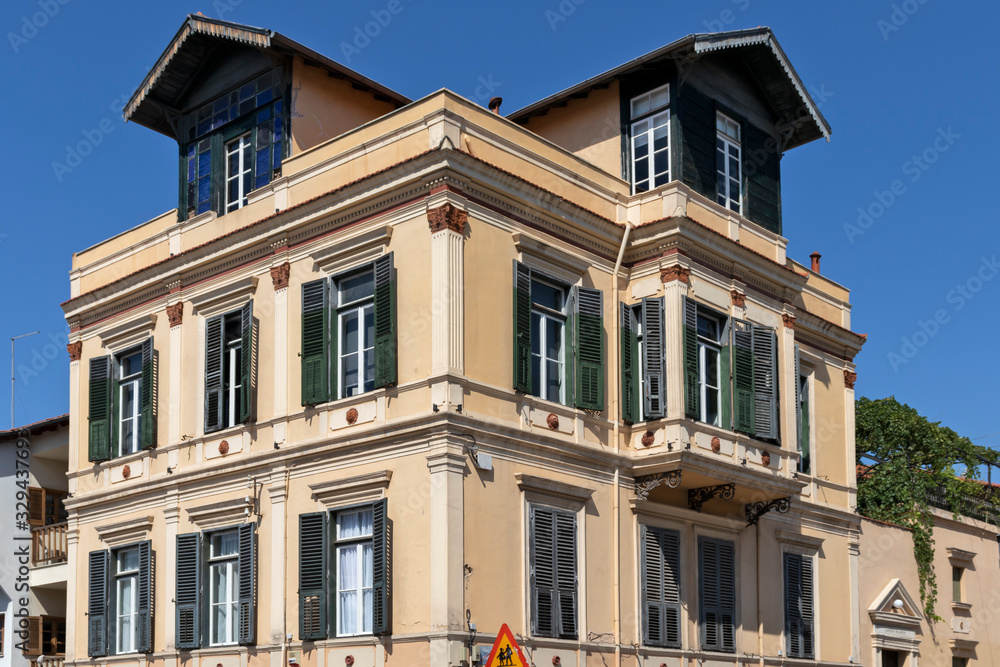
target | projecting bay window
[
  {"x": 229, "y": 369},
  {"x": 642, "y": 361},
  {"x": 728, "y": 163},
  {"x": 650, "y": 134},
  {"x": 119, "y": 607},
  {"x": 122, "y": 409}
]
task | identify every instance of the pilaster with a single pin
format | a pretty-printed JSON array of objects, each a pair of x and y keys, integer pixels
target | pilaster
[
  {"x": 75, "y": 350},
  {"x": 447, "y": 465},
  {"x": 675, "y": 285},
  {"x": 171, "y": 518},
  {"x": 278, "y": 493},
  {"x": 447, "y": 224},
  {"x": 175, "y": 314},
  {"x": 786, "y": 360},
  {"x": 72, "y": 560},
  {"x": 280, "y": 276}
]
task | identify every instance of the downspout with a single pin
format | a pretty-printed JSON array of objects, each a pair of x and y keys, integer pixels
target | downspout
[
  {"x": 615, "y": 416},
  {"x": 760, "y": 621}
]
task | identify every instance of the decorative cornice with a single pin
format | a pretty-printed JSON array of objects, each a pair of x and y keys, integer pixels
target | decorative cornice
[
  {"x": 960, "y": 556},
  {"x": 175, "y": 314},
  {"x": 550, "y": 487},
  {"x": 125, "y": 532},
  {"x": 75, "y": 351},
  {"x": 360, "y": 487},
  {"x": 280, "y": 274},
  {"x": 676, "y": 272},
  {"x": 789, "y": 320},
  {"x": 739, "y": 299},
  {"x": 218, "y": 513},
  {"x": 447, "y": 216},
  {"x": 850, "y": 377}
]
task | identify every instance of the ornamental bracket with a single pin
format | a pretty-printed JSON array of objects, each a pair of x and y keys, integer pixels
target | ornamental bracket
[
  {"x": 755, "y": 511},
  {"x": 644, "y": 485},
  {"x": 700, "y": 496}
]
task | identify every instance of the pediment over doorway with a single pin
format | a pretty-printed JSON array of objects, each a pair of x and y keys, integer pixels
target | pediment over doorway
[{"x": 885, "y": 611}]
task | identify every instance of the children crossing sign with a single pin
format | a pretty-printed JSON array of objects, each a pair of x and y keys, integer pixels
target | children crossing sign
[{"x": 506, "y": 652}]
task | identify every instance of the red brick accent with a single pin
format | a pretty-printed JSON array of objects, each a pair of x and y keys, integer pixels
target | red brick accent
[
  {"x": 676, "y": 273},
  {"x": 175, "y": 314},
  {"x": 75, "y": 350},
  {"x": 280, "y": 274},
  {"x": 447, "y": 217}
]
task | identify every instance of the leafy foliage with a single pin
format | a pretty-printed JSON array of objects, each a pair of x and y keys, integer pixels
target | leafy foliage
[{"x": 906, "y": 460}]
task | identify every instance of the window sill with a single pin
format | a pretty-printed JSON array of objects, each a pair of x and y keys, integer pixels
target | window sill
[
  {"x": 961, "y": 606},
  {"x": 228, "y": 649}
]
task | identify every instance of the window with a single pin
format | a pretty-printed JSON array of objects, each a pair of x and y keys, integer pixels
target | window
[
  {"x": 642, "y": 361},
  {"x": 129, "y": 366},
  {"x": 716, "y": 570},
  {"x": 728, "y": 163},
  {"x": 552, "y": 547},
  {"x": 343, "y": 554},
  {"x": 126, "y": 594},
  {"x": 959, "y": 662},
  {"x": 349, "y": 333},
  {"x": 119, "y": 605},
  {"x": 650, "y": 139},
  {"x": 956, "y": 583},
  {"x": 45, "y": 506},
  {"x": 122, "y": 411},
  {"x": 661, "y": 591},
  {"x": 549, "y": 354},
  {"x": 216, "y": 587},
  {"x": 799, "y": 605},
  {"x": 46, "y": 636},
  {"x": 709, "y": 330},
  {"x": 239, "y": 177},
  {"x": 228, "y": 369},
  {"x": 802, "y": 392}
]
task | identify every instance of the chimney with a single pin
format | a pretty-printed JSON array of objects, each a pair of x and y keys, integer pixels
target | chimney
[
  {"x": 495, "y": 103},
  {"x": 815, "y": 264}
]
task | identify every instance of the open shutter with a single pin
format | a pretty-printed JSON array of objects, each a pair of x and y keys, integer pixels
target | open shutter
[
  {"x": 313, "y": 567},
  {"x": 187, "y": 596},
  {"x": 522, "y": 328},
  {"x": 247, "y": 589},
  {"x": 246, "y": 362},
  {"x": 762, "y": 202},
  {"x": 144, "y": 601},
  {"x": 99, "y": 443},
  {"x": 692, "y": 408},
  {"x": 315, "y": 347},
  {"x": 629, "y": 369},
  {"x": 653, "y": 360},
  {"x": 36, "y": 506},
  {"x": 726, "y": 376},
  {"x": 385, "y": 321},
  {"x": 661, "y": 587},
  {"x": 97, "y": 604},
  {"x": 565, "y": 561},
  {"x": 33, "y": 644},
  {"x": 765, "y": 382},
  {"x": 381, "y": 569},
  {"x": 542, "y": 536},
  {"x": 147, "y": 397},
  {"x": 589, "y": 349},
  {"x": 213, "y": 374},
  {"x": 743, "y": 377}
]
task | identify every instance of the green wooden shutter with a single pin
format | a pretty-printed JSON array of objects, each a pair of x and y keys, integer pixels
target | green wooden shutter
[
  {"x": 315, "y": 343},
  {"x": 806, "y": 607},
  {"x": 661, "y": 587},
  {"x": 629, "y": 358},
  {"x": 765, "y": 382},
  {"x": 97, "y": 603},
  {"x": 726, "y": 370},
  {"x": 802, "y": 414},
  {"x": 385, "y": 321},
  {"x": 743, "y": 377},
  {"x": 717, "y": 575},
  {"x": 99, "y": 441},
  {"x": 214, "y": 351},
  {"x": 799, "y": 605},
  {"x": 381, "y": 569},
  {"x": 246, "y": 362},
  {"x": 313, "y": 571},
  {"x": 763, "y": 181},
  {"x": 692, "y": 404},
  {"x": 696, "y": 113},
  {"x": 522, "y": 328},
  {"x": 654, "y": 393},
  {"x": 247, "y": 588},
  {"x": 542, "y": 574},
  {"x": 565, "y": 562},
  {"x": 589, "y": 349},
  {"x": 187, "y": 596},
  {"x": 727, "y": 595},
  {"x": 144, "y": 598},
  {"x": 147, "y": 396}
]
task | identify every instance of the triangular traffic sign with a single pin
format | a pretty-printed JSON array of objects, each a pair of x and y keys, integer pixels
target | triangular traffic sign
[{"x": 506, "y": 652}]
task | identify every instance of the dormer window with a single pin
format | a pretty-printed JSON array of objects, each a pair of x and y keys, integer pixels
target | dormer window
[
  {"x": 650, "y": 114},
  {"x": 728, "y": 163}
]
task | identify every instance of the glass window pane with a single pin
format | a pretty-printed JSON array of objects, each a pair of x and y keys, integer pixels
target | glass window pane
[
  {"x": 347, "y": 568},
  {"x": 536, "y": 333},
  {"x": 661, "y": 165},
  {"x": 640, "y": 105},
  {"x": 125, "y": 595},
  {"x": 659, "y": 98},
  {"x": 349, "y": 331},
  {"x": 553, "y": 339},
  {"x": 128, "y": 559},
  {"x": 711, "y": 367},
  {"x": 369, "y": 312},
  {"x": 348, "y": 614},
  {"x": 350, "y": 382},
  {"x": 660, "y": 138},
  {"x": 554, "y": 381},
  {"x": 356, "y": 287},
  {"x": 536, "y": 374},
  {"x": 367, "y": 565},
  {"x": 546, "y": 295},
  {"x": 642, "y": 169},
  {"x": 225, "y": 544}
]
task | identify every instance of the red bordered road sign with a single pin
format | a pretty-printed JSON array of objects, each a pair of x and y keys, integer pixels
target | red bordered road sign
[{"x": 506, "y": 652}]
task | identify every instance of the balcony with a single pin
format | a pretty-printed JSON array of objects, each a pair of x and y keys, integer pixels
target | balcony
[{"x": 48, "y": 544}]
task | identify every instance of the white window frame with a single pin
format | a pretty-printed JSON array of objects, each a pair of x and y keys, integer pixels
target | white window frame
[
  {"x": 728, "y": 137},
  {"x": 640, "y": 363},
  {"x": 233, "y": 372},
  {"x": 130, "y": 643},
  {"x": 645, "y": 123},
  {"x": 546, "y": 315},
  {"x": 134, "y": 382},
  {"x": 238, "y": 146},
  {"x": 230, "y": 564},
  {"x": 707, "y": 345},
  {"x": 357, "y": 543},
  {"x": 362, "y": 309}
]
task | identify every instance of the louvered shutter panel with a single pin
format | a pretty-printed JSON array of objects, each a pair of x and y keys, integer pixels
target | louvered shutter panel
[
  {"x": 793, "y": 596},
  {"x": 652, "y": 587},
  {"x": 33, "y": 645},
  {"x": 708, "y": 574},
  {"x": 247, "y": 357},
  {"x": 385, "y": 321},
  {"x": 187, "y": 596},
  {"x": 727, "y": 595},
  {"x": 144, "y": 598},
  {"x": 315, "y": 345},
  {"x": 653, "y": 358},
  {"x": 213, "y": 374},
  {"x": 806, "y": 606},
  {"x": 798, "y": 402},
  {"x": 743, "y": 377},
  {"x": 313, "y": 568},
  {"x": 726, "y": 376},
  {"x": 36, "y": 506},
  {"x": 247, "y": 588},
  {"x": 381, "y": 569},
  {"x": 522, "y": 328},
  {"x": 661, "y": 587},
  {"x": 147, "y": 396},
  {"x": 542, "y": 537},
  {"x": 565, "y": 561},
  {"x": 692, "y": 408},
  {"x": 99, "y": 443},
  {"x": 765, "y": 382},
  {"x": 629, "y": 359},
  {"x": 97, "y": 604},
  {"x": 671, "y": 545},
  {"x": 590, "y": 349}
]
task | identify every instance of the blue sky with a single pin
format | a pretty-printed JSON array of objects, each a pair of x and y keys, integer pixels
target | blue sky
[{"x": 898, "y": 203}]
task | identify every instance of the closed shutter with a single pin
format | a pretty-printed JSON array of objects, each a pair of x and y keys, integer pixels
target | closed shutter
[
  {"x": 653, "y": 359},
  {"x": 718, "y": 594},
  {"x": 99, "y": 443},
  {"x": 590, "y": 349},
  {"x": 97, "y": 604},
  {"x": 765, "y": 382},
  {"x": 144, "y": 598},
  {"x": 522, "y": 328},
  {"x": 313, "y": 569},
  {"x": 385, "y": 321},
  {"x": 315, "y": 345},
  {"x": 147, "y": 397},
  {"x": 630, "y": 373},
  {"x": 381, "y": 569},
  {"x": 661, "y": 587},
  {"x": 566, "y": 573},
  {"x": 696, "y": 113},
  {"x": 692, "y": 408},
  {"x": 808, "y": 642},
  {"x": 799, "y": 605},
  {"x": 247, "y": 357},
  {"x": 553, "y": 573},
  {"x": 214, "y": 350},
  {"x": 187, "y": 596},
  {"x": 247, "y": 589},
  {"x": 36, "y": 506},
  {"x": 763, "y": 181},
  {"x": 743, "y": 377},
  {"x": 33, "y": 644}
]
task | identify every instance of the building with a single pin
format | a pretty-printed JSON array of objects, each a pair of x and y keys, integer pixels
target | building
[
  {"x": 394, "y": 367},
  {"x": 33, "y": 569}
]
